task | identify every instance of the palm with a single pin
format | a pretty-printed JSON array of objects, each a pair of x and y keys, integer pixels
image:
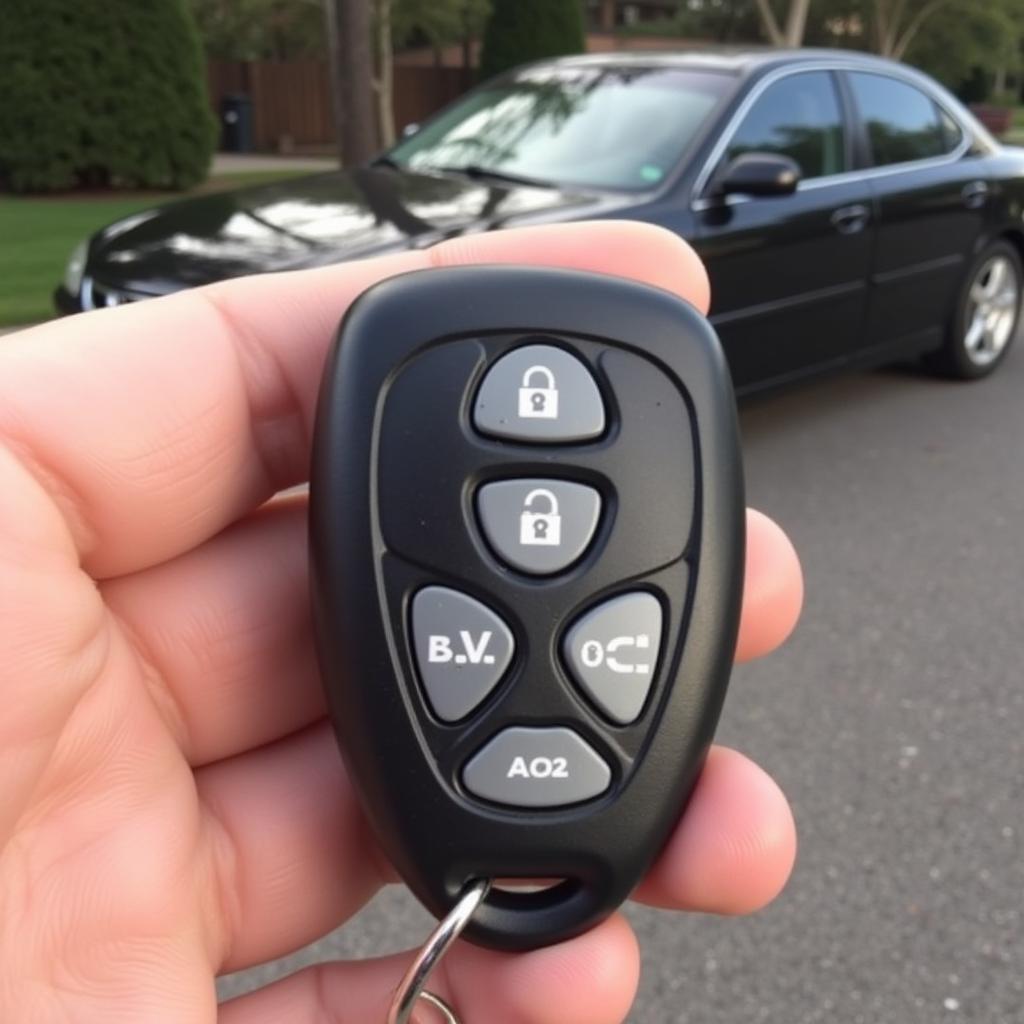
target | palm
[
  {"x": 106, "y": 878},
  {"x": 172, "y": 804}
]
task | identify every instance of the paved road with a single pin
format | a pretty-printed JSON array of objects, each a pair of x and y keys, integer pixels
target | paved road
[{"x": 894, "y": 718}]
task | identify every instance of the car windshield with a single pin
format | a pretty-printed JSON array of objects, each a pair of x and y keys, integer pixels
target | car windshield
[{"x": 618, "y": 128}]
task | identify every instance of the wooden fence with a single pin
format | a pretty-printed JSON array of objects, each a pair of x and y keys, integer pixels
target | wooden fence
[{"x": 291, "y": 100}]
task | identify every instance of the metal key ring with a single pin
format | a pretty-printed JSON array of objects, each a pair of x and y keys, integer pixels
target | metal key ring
[
  {"x": 441, "y": 1006},
  {"x": 411, "y": 988}
]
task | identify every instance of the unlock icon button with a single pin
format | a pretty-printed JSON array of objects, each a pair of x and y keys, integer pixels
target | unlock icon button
[{"x": 538, "y": 526}]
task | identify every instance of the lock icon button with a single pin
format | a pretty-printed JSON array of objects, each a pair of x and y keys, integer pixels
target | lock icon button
[
  {"x": 540, "y": 403},
  {"x": 543, "y": 394},
  {"x": 538, "y": 525},
  {"x": 540, "y": 528}
]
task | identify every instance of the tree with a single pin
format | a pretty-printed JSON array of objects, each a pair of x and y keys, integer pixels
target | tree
[
  {"x": 897, "y": 22},
  {"x": 440, "y": 22},
  {"x": 954, "y": 40},
  {"x": 260, "y": 29},
  {"x": 361, "y": 37},
  {"x": 795, "y": 26},
  {"x": 102, "y": 95},
  {"x": 523, "y": 30},
  {"x": 351, "y": 59},
  {"x": 723, "y": 21},
  {"x": 384, "y": 82},
  {"x": 988, "y": 37}
]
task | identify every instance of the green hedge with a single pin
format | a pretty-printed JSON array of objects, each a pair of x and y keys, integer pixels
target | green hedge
[
  {"x": 523, "y": 30},
  {"x": 108, "y": 94}
]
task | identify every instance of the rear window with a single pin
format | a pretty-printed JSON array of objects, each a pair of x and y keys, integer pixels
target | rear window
[{"x": 903, "y": 123}]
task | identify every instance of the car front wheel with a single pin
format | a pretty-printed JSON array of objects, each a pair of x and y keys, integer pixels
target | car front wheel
[{"x": 987, "y": 315}]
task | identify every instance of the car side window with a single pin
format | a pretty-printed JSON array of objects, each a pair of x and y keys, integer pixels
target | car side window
[
  {"x": 952, "y": 133},
  {"x": 903, "y": 123},
  {"x": 799, "y": 117}
]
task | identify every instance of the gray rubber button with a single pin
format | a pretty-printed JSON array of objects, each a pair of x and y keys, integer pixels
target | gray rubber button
[
  {"x": 612, "y": 653},
  {"x": 539, "y": 393},
  {"x": 462, "y": 650},
  {"x": 524, "y": 767},
  {"x": 538, "y": 526}
]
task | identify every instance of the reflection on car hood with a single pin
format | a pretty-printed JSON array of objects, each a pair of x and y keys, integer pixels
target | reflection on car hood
[{"x": 325, "y": 218}]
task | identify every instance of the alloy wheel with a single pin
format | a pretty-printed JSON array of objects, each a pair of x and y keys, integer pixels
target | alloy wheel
[{"x": 993, "y": 303}]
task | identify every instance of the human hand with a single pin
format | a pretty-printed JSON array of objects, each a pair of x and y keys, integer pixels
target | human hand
[{"x": 172, "y": 803}]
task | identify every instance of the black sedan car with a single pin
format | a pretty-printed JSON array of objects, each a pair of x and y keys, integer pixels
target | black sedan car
[{"x": 849, "y": 209}]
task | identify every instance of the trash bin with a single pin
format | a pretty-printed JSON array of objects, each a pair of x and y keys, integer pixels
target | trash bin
[{"x": 236, "y": 123}]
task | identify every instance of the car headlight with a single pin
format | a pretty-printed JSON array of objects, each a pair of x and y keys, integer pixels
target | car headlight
[{"x": 76, "y": 268}]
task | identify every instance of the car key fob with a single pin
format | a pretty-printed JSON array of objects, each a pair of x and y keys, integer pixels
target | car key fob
[{"x": 527, "y": 547}]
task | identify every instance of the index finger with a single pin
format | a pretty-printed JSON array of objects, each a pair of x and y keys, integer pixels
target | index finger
[{"x": 154, "y": 426}]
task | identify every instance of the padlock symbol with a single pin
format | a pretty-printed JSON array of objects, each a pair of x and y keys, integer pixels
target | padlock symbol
[
  {"x": 538, "y": 403},
  {"x": 543, "y": 528}
]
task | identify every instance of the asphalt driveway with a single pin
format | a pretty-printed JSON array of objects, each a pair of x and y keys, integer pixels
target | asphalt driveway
[{"x": 894, "y": 719}]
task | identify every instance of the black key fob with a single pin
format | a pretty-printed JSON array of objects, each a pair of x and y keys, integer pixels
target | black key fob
[{"x": 527, "y": 545}]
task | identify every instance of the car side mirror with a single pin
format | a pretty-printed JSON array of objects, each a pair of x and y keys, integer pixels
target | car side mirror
[{"x": 759, "y": 175}]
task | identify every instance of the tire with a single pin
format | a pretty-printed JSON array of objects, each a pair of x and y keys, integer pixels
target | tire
[{"x": 987, "y": 315}]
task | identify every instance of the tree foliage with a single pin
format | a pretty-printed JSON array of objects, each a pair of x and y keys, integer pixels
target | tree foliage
[
  {"x": 102, "y": 95},
  {"x": 988, "y": 37},
  {"x": 719, "y": 21},
  {"x": 523, "y": 30},
  {"x": 261, "y": 29},
  {"x": 957, "y": 41},
  {"x": 439, "y": 23},
  {"x": 291, "y": 29},
  {"x": 947, "y": 38}
]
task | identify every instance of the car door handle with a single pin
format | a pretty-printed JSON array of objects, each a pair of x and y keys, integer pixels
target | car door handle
[
  {"x": 974, "y": 194},
  {"x": 848, "y": 220}
]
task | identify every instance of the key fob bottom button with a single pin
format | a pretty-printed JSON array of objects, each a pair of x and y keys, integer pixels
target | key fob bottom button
[
  {"x": 538, "y": 526},
  {"x": 537, "y": 767},
  {"x": 462, "y": 650},
  {"x": 612, "y": 652}
]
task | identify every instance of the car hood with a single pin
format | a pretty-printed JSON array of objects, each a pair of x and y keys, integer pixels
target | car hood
[{"x": 310, "y": 221}]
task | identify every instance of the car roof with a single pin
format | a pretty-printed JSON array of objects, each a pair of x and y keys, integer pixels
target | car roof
[
  {"x": 754, "y": 62},
  {"x": 738, "y": 61}
]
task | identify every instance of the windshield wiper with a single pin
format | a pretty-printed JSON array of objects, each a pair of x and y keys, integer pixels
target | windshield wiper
[
  {"x": 385, "y": 161},
  {"x": 478, "y": 173}
]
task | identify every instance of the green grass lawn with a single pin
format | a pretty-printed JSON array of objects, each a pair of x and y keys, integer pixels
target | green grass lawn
[{"x": 38, "y": 234}]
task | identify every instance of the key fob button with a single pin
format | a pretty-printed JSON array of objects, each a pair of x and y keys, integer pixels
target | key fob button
[
  {"x": 463, "y": 650},
  {"x": 538, "y": 526},
  {"x": 612, "y": 652},
  {"x": 537, "y": 767},
  {"x": 539, "y": 393}
]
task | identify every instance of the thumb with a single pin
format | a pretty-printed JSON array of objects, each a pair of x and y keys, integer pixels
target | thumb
[{"x": 589, "y": 980}]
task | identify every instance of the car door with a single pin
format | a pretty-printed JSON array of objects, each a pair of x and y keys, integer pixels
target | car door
[
  {"x": 788, "y": 273},
  {"x": 931, "y": 198}
]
